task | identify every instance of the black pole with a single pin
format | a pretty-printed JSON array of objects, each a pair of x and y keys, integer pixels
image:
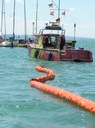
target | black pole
[{"x": 74, "y": 31}]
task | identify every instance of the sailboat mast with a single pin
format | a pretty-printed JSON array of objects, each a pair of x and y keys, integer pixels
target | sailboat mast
[
  {"x": 14, "y": 21},
  {"x": 25, "y": 19},
  {"x": 3, "y": 18},
  {"x": 4, "y": 21},
  {"x": 2, "y": 15}
]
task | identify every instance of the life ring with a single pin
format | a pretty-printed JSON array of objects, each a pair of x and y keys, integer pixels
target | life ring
[
  {"x": 49, "y": 56},
  {"x": 36, "y": 53}
]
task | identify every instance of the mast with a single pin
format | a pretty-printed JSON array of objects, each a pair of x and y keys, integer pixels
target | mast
[
  {"x": 59, "y": 10},
  {"x": 2, "y": 15},
  {"x": 3, "y": 18},
  {"x": 4, "y": 21},
  {"x": 36, "y": 15},
  {"x": 25, "y": 20},
  {"x": 14, "y": 21}
]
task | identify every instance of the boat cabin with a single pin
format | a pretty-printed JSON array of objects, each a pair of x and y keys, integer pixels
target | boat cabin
[{"x": 52, "y": 37}]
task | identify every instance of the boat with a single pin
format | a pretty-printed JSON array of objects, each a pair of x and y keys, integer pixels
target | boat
[
  {"x": 12, "y": 41},
  {"x": 6, "y": 43},
  {"x": 53, "y": 49},
  {"x": 51, "y": 44}
]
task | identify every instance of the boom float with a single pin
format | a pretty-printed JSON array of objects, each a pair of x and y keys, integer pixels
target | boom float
[{"x": 61, "y": 93}]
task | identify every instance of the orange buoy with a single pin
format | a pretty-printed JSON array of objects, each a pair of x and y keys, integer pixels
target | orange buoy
[{"x": 78, "y": 100}]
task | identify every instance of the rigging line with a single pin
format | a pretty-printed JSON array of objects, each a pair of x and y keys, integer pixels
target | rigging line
[{"x": 55, "y": 4}]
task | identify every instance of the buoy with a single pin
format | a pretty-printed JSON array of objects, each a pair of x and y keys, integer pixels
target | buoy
[
  {"x": 49, "y": 56},
  {"x": 61, "y": 93}
]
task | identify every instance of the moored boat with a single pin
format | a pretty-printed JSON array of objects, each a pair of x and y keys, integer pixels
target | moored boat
[
  {"x": 50, "y": 44},
  {"x": 6, "y": 43}
]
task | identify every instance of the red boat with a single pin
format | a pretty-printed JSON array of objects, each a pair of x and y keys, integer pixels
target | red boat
[{"x": 50, "y": 44}]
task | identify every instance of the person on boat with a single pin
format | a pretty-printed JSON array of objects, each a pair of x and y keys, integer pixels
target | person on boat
[
  {"x": 62, "y": 42},
  {"x": 45, "y": 41},
  {"x": 30, "y": 40}
]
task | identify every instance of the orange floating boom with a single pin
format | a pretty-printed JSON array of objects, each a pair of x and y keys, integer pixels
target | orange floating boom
[
  {"x": 61, "y": 93},
  {"x": 49, "y": 76}
]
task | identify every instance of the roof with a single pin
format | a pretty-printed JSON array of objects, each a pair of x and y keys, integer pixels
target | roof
[{"x": 53, "y": 27}]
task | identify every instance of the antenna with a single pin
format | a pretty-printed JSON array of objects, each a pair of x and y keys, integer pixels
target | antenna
[{"x": 74, "y": 31}]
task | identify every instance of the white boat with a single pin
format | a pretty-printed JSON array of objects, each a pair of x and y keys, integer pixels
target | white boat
[{"x": 6, "y": 43}]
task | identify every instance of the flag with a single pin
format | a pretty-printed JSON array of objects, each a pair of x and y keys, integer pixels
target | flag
[
  {"x": 63, "y": 13},
  {"x": 58, "y": 20},
  {"x": 50, "y": 5},
  {"x": 52, "y": 13}
]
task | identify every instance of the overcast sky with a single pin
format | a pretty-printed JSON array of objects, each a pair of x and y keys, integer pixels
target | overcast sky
[{"x": 80, "y": 12}]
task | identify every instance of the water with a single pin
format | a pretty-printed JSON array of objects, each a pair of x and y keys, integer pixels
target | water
[{"x": 22, "y": 106}]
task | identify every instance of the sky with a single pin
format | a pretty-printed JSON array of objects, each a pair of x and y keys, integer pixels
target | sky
[{"x": 80, "y": 12}]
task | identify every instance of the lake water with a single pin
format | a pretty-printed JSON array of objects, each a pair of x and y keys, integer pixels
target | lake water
[{"x": 24, "y": 107}]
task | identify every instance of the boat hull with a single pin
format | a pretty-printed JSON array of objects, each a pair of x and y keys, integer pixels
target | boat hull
[{"x": 78, "y": 55}]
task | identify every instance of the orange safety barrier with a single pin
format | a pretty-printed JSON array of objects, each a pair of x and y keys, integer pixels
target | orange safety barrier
[
  {"x": 78, "y": 100},
  {"x": 49, "y": 76}
]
